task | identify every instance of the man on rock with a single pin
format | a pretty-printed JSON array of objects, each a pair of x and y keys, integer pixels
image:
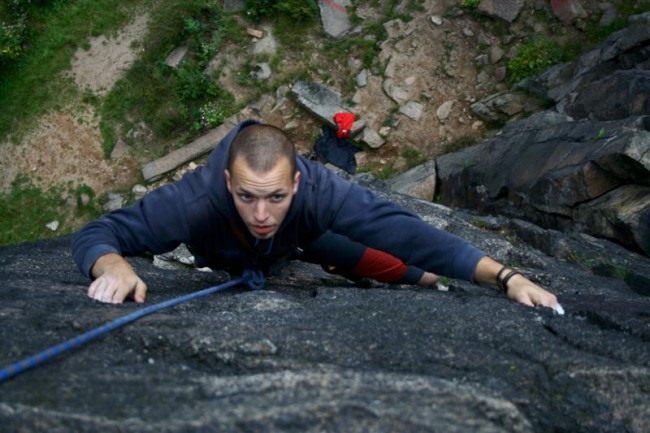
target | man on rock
[{"x": 256, "y": 204}]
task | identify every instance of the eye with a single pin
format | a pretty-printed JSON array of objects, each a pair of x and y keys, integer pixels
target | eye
[
  {"x": 246, "y": 198},
  {"x": 277, "y": 198}
]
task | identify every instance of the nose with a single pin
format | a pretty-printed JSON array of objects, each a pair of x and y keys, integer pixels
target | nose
[{"x": 261, "y": 213}]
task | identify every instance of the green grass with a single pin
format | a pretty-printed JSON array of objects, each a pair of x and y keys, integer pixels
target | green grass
[
  {"x": 33, "y": 84},
  {"x": 26, "y": 210},
  {"x": 413, "y": 157}
]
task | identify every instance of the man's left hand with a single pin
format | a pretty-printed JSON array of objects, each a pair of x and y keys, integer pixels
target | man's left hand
[{"x": 523, "y": 290}]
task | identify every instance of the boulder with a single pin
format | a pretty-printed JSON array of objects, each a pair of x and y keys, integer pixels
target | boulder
[
  {"x": 314, "y": 353},
  {"x": 444, "y": 110},
  {"x": 561, "y": 174},
  {"x": 395, "y": 92}
]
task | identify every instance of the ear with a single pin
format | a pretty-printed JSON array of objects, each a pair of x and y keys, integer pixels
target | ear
[
  {"x": 296, "y": 182},
  {"x": 226, "y": 173}
]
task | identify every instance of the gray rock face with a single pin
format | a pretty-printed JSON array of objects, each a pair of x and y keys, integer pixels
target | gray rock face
[
  {"x": 587, "y": 176},
  {"x": 311, "y": 353},
  {"x": 627, "y": 94}
]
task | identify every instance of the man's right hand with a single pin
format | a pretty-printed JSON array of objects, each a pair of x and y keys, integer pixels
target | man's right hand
[{"x": 115, "y": 280}]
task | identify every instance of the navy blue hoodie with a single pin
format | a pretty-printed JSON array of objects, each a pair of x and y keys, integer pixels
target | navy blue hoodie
[{"x": 199, "y": 211}]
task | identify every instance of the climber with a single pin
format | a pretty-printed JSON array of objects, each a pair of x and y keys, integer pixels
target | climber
[{"x": 256, "y": 204}]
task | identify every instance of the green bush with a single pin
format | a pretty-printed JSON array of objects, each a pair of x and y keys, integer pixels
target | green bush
[
  {"x": 13, "y": 30},
  {"x": 193, "y": 84},
  {"x": 533, "y": 57},
  {"x": 469, "y": 4},
  {"x": 11, "y": 37}
]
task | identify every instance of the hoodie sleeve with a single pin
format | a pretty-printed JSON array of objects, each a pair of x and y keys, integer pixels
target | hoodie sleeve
[
  {"x": 155, "y": 224},
  {"x": 357, "y": 213}
]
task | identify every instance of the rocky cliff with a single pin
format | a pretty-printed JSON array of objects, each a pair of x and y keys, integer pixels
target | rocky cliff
[
  {"x": 313, "y": 353},
  {"x": 583, "y": 165}
]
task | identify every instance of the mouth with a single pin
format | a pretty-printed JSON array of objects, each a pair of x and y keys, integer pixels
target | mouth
[{"x": 262, "y": 230}]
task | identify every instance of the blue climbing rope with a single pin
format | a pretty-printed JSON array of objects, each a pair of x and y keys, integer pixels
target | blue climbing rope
[{"x": 253, "y": 278}]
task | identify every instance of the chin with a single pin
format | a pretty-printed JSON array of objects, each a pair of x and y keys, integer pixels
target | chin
[{"x": 262, "y": 236}]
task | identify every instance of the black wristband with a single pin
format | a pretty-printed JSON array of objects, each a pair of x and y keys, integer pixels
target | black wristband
[
  {"x": 499, "y": 281},
  {"x": 508, "y": 277}
]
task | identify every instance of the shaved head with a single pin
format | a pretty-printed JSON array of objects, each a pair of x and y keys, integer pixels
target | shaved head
[
  {"x": 262, "y": 178},
  {"x": 262, "y": 146}
]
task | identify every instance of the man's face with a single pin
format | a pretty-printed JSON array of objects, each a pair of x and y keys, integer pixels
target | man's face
[{"x": 262, "y": 199}]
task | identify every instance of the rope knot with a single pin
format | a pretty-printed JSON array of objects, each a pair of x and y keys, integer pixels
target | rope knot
[{"x": 254, "y": 278}]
